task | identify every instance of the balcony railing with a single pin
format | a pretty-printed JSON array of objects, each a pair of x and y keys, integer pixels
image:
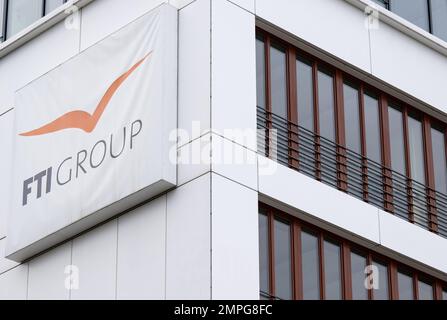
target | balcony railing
[{"x": 348, "y": 171}]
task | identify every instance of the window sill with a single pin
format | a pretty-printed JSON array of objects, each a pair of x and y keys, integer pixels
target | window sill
[
  {"x": 40, "y": 26},
  {"x": 404, "y": 26}
]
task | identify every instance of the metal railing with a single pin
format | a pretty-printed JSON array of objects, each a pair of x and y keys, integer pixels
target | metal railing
[{"x": 341, "y": 168}]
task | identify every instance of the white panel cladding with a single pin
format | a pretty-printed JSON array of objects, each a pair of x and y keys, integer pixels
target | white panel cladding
[
  {"x": 6, "y": 144},
  {"x": 47, "y": 277},
  {"x": 332, "y": 25},
  {"x": 5, "y": 264},
  {"x": 194, "y": 159},
  {"x": 194, "y": 70},
  {"x": 94, "y": 254},
  {"x": 409, "y": 65},
  {"x": 413, "y": 241},
  {"x": 235, "y": 255},
  {"x": 34, "y": 59},
  {"x": 320, "y": 201},
  {"x": 245, "y": 4},
  {"x": 233, "y": 73},
  {"x": 13, "y": 284},
  {"x": 141, "y": 252},
  {"x": 234, "y": 161},
  {"x": 188, "y": 241},
  {"x": 113, "y": 15}
]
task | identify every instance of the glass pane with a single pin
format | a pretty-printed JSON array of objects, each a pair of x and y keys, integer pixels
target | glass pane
[
  {"x": 373, "y": 150},
  {"x": 381, "y": 293},
  {"x": 310, "y": 265},
  {"x": 358, "y": 264},
  {"x": 263, "y": 254},
  {"x": 353, "y": 140},
  {"x": 279, "y": 105},
  {"x": 22, "y": 13},
  {"x": 415, "y": 11},
  {"x": 2, "y": 7},
  {"x": 332, "y": 271},
  {"x": 326, "y": 105},
  {"x": 439, "y": 18},
  {"x": 50, "y": 5},
  {"x": 327, "y": 128},
  {"x": 397, "y": 140},
  {"x": 283, "y": 261},
  {"x": 380, "y": 3},
  {"x": 398, "y": 164},
  {"x": 305, "y": 95},
  {"x": 405, "y": 284},
  {"x": 260, "y": 73},
  {"x": 425, "y": 291},
  {"x": 305, "y": 117},
  {"x": 439, "y": 160},
  {"x": 444, "y": 294},
  {"x": 417, "y": 167},
  {"x": 278, "y": 81}
]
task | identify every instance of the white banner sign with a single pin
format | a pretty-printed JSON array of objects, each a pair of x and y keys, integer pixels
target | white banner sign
[{"x": 92, "y": 135}]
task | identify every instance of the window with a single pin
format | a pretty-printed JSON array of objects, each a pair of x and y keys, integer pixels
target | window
[
  {"x": 381, "y": 292},
  {"x": 405, "y": 285},
  {"x": 350, "y": 135},
  {"x": 22, "y": 13},
  {"x": 326, "y": 266},
  {"x": 382, "y": 3},
  {"x": 263, "y": 254},
  {"x": 438, "y": 10},
  {"x": 283, "y": 260},
  {"x": 358, "y": 265},
  {"x": 2, "y": 21},
  {"x": 353, "y": 140},
  {"x": 415, "y": 11},
  {"x": 332, "y": 270},
  {"x": 260, "y": 73},
  {"x": 310, "y": 266},
  {"x": 425, "y": 290},
  {"x": 444, "y": 294}
]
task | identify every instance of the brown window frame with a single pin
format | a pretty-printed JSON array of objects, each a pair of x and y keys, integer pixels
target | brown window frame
[
  {"x": 346, "y": 247},
  {"x": 384, "y": 101}
]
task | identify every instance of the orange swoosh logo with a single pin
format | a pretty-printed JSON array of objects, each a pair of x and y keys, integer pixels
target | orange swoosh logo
[{"x": 79, "y": 119}]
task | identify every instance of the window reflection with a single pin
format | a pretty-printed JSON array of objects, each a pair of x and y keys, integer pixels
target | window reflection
[
  {"x": 22, "y": 13},
  {"x": 358, "y": 264},
  {"x": 425, "y": 291},
  {"x": 310, "y": 266},
  {"x": 405, "y": 285},
  {"x": 283, "y": 261},
  {"x": 263, "y": 254},
  {"x": 381, "y": 291},
  {"x": 332, "y": 271},
  {"x": 415, "y": 11}
]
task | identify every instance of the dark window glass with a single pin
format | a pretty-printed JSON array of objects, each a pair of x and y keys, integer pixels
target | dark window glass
[
  {"x": 417, "y": 167},
  {"x": 283, "y": 261},
  {"x": 305, "y": 100},
  {"x": 373, "y": 149},
  {"x": 439, "y": 18},
  {"x": 310, "y": 266},
  {"x": 444, "y": 294},
  {"x": 260, "y": 73},
  {"x": 278, "y": 81},
  {"x": 415, "y": 11},
  {"x": 22, "y": 13},
  {"x": 358, "y": 264},
  {"x": 326, "y": 105},
  {"x": 425, "y": 291},
  {"x": 439, "y": 160},
  {"x": 405, "y": 284},
  {"x": 397, "y": 142},
  {"x": 398, "y": 164},
  {"x": 381, "y": 3},
  {"x": 263, "y": 254},
  {"x": 2, "y": 7},
  {"x": 305, "y": 95},
  {"x": 353, "y": 140},
  {"x": 326, "y": 116},
  {"x": 381, "y": 292},
  {"x": 332, "y": 271},
  {"x": 50, "y": 5},
  {"x": 372, "y": 129}
]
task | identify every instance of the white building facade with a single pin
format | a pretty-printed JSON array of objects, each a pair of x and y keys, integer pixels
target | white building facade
[{"x": 345, "y": 198}]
